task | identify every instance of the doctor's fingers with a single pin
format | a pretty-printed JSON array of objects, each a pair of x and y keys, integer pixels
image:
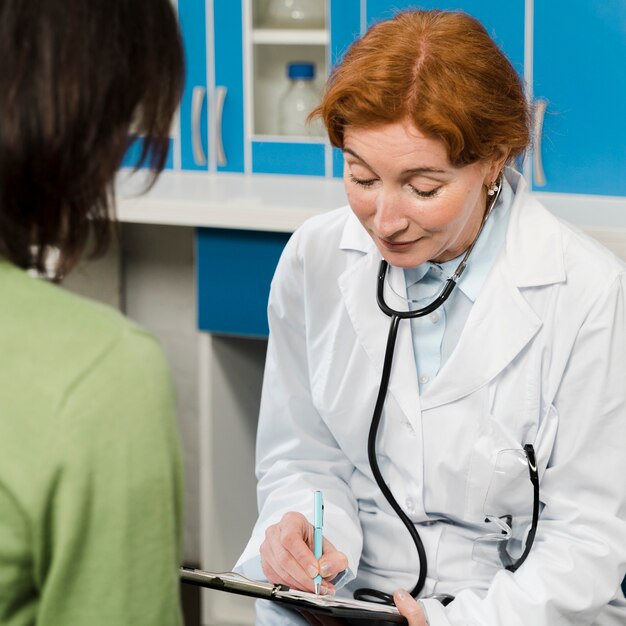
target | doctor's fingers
[
  {"x": 333, "y": 561},
  {"x": 409, "y": 608},
  {"x": 286, "y": 551},
  {"x": 277, "y": 574}
]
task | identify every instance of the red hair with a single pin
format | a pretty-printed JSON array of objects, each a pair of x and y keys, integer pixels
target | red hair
[{"x": 442, "y": 71}]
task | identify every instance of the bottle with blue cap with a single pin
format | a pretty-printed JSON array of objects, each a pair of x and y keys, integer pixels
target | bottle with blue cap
[{"x": 298, "y": 101}]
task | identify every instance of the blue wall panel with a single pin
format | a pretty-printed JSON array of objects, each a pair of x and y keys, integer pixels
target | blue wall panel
[{"x": 503, "y": 20}]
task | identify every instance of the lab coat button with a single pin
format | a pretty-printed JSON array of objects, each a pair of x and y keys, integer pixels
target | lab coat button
[{"x": 410, "y": 505}]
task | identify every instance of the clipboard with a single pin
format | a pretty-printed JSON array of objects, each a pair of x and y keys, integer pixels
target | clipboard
[{"x": 353, "y": 611}]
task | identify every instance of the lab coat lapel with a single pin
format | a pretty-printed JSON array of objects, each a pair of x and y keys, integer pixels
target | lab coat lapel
[
  {"x": 499, "y": 326},
  {"x": 358, "y": 287},
  {"x": 501, "y": 321}
]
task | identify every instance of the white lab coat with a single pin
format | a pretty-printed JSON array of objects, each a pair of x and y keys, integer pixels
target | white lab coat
[{"x": 541, "y": 360}]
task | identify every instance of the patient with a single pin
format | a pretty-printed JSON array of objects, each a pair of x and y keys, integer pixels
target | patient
[{"x": 90, "y": 468}]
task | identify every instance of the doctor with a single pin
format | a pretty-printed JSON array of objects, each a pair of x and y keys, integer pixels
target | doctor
[{"x": 527, "y": 352}]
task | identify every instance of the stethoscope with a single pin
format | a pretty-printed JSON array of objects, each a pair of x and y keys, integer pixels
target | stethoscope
[{"x": 396, "y": 316}]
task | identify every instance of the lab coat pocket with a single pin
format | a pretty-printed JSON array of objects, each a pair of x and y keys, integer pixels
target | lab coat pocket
[{"x": 498, "y": 482}]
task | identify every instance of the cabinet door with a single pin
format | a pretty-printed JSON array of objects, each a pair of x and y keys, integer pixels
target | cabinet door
[
  {"x": 580, "y": 69},
  {"x": 193, "y": 107},
  {"x": 229, "y": 84}
]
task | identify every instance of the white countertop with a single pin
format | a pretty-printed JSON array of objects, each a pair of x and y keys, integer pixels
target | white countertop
[
  {"x": 281, "y": 203},
  {"x": 258, "y": 202}
]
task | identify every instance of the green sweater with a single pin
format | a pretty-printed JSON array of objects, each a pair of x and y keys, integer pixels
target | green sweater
[{"x": 90, "y": 468}]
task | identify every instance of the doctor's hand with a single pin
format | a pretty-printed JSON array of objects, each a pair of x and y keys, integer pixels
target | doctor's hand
[
  {"x": 410, "y": 608},
  {"x": 287, "y": 555}
]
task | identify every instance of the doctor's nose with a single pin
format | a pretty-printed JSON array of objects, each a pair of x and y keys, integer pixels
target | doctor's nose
[{"x": 390, "y": 218}]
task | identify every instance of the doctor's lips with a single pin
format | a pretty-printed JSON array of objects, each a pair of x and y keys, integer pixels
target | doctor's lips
[{"x": 396, "y": 246}]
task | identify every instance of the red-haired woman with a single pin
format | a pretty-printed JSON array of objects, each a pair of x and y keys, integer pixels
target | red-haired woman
[{"x": 481, "y": 467}]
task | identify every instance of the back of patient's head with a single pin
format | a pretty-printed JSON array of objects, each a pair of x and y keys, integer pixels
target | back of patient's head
[
  {"x": 74, "y": 75},
  {"x": 441, "y": 71}
]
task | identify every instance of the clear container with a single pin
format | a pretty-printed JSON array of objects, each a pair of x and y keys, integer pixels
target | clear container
[
  {"x": 294, "y": 14},
  {"x": 298, "y": 101}
]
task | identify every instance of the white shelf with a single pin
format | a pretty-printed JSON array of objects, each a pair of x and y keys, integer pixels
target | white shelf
[{"x": 293, "y": 36}]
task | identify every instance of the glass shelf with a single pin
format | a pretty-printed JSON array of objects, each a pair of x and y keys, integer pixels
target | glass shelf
[{"x": 290, "y": 36}]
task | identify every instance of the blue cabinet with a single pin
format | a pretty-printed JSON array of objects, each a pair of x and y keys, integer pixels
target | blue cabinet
[
  {"x": 236, "y": 67},
  {"x": 236, "y": 73},
  {"x": 580, "y": 69}
]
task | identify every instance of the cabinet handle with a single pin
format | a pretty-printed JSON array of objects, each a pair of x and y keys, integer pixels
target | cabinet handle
[
  {"x": 197, "y": 99},
  {"x": 220, "y": 97},
  {"x": 540, "y": 111}
]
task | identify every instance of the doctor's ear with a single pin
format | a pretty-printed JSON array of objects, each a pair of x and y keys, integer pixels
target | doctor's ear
[{"x": 497, "y": 163}]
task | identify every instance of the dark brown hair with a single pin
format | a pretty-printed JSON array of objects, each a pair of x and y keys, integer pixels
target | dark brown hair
[
  {"x": 442, "y": 71},
  {"x": 74, "y": 74}
]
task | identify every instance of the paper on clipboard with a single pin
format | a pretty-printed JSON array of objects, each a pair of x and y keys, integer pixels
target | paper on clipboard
[{"x": 301, "y": 600}]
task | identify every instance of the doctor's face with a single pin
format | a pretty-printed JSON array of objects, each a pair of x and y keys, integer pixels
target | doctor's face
[{"x": 414, "y": 204}]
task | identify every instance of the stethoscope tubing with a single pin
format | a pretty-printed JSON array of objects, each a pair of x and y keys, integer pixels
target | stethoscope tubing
[
  {"x": 433, "y": 306},
  {"x": 365, "y": 593},
  {"x": 396, "y": 316}
]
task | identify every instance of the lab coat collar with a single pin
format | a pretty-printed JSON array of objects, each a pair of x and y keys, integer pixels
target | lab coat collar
[
  {"x": 355, "y": 237},
  {"x": 534, "y": 248},
  {"x": 500, "y": 324}
]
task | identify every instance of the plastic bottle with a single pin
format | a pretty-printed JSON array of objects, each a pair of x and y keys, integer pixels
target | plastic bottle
[
  {"x": 298, "y": 101},
  {"x": 295, "y": 14}
]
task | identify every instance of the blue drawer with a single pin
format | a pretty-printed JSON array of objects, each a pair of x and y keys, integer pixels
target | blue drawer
[{"x": 234, "y": 272}]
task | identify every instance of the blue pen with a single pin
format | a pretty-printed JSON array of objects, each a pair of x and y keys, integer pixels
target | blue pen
[{"x": 318, "y": 522}]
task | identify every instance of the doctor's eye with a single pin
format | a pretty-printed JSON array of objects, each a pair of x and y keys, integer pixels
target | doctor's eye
[
  {"x": 424, "y": 194},
  {"x": 362, "y": 182}
]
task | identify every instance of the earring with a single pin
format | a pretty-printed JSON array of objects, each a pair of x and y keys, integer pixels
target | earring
[{"x": 491, "y": 190}]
